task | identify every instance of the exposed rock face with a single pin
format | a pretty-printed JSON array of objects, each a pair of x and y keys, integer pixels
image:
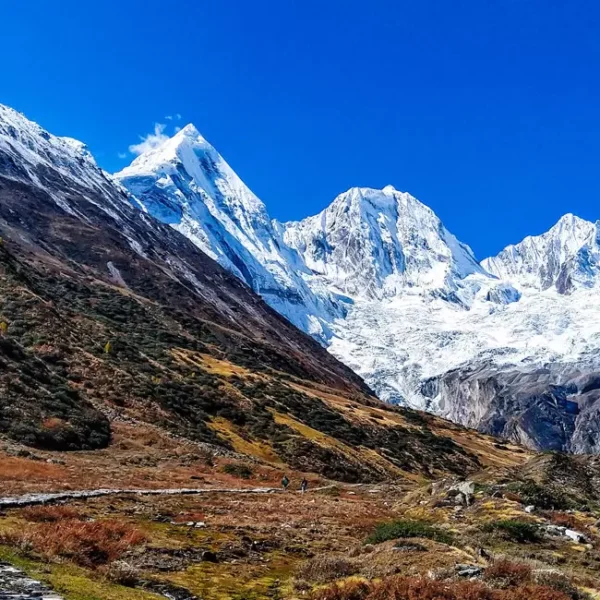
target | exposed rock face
[
  {"x": 15, "y": 585},
  {"x": 554, "y": 407}
]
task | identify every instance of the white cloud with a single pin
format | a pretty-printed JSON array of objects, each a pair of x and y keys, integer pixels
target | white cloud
[
  {"x": 175, "y": 117},
  {"x": 150, "y": 141},
  {"x": 122, "y": 155}
]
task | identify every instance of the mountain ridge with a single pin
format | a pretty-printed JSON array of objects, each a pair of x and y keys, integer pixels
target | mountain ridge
[
  {"x": 375, "y": 277},
  {"x": 394, "y": 295}
]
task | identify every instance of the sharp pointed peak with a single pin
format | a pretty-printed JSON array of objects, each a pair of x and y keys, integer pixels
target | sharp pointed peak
[{"x": 189, "y": 131}]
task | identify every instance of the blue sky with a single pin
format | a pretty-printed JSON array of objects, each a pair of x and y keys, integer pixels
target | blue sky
[{"x": 486, "y": 110}]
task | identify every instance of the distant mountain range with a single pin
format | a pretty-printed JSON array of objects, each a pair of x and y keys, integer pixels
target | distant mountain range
[{"x": 509, "y": 344}]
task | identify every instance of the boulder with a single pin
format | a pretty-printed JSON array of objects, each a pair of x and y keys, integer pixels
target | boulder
[
  {"x": 208, "y": 556},
  {"x": 575, "y": 536},
  {"x": 462, "y": 492},
  {"x": 468, "y": 571}
]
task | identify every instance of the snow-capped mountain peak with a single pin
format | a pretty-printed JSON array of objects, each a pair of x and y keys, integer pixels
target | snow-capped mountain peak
[
  {"x": 32, "y": 150},
  {"x": 375, "y": 243},
  {"x": 565, "y": 256},
  {"x": 187, "y": 184},
  {"x": 375, "y": 277}
]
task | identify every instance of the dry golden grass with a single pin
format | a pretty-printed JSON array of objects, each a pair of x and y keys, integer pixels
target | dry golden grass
[{"x": 325, "y": 568}]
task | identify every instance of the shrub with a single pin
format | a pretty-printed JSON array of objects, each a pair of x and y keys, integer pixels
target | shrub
[
  {"x": 563, "y": 520},
  {"x": 352, "y": 590},
  {"x": 323, "y": 569},
  {"x": 545, "y": 497},
  {"x": 560, "y": 583},
  {"x": 504, "y": 573},
  {"x": 421, "y": 588},
  {"x": 533, "y": 592},
  {"x": 407, "y": 529},
  {"x": 49, "y": 514},
  {"x": 88, "y": 544},
  {"x": 238, "y": 470},
  {"x": 516, "y": 531},
  {"x": 122, "y": 573}
]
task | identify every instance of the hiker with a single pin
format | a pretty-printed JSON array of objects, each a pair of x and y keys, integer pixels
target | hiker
[
  {"x": 304, "y": 485},
  {"x": 285, "y": 482}
]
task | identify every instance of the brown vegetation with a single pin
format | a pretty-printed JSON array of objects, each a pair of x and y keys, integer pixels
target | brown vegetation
[
  {"x": 421, "y": 588},
  {"x": 85, "y": 543},
  {"x": 49, "y": 514},
  {"x": 505, "y": 573},
  {"x": 324, "y": 568}
]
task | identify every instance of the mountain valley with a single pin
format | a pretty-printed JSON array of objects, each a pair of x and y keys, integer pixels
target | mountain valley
[{"x": 168, "y": 353}]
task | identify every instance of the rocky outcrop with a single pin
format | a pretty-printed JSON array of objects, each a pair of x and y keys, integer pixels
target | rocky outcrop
[
  {"x": 16, "y": 585},
  {"x": 554, "y": 407}
]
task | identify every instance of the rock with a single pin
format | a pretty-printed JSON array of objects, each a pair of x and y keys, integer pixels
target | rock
[
  {"x": 529, "y": 509},
  {"x": 576, "y": 536},
  {"x": 409, "y": 547},
  {"x": 208, "y": 556},
  {"x": 15, "y": 585},
  {"x": 468, "y": 570},
  {"x": 555, "y": 530},
  {"x": 200, "y": 525},
  {"x": 462, "y": 492},
  {"x": 437, "y": 486},
  {"x": 162, "y": 519}
]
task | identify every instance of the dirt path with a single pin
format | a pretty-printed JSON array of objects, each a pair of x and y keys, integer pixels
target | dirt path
[{"x": 51, "y": 497}]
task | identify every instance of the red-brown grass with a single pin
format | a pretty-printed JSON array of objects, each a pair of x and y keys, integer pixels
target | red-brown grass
[
  {"x": 86, "y": 543},
  {"x": 21, "y": 469},
  {"x": 421, "y": 588},
  {"x": 505, "y": 573},
  {"x": 49, "y": 514},
  {"x": 563, "y": 520}
]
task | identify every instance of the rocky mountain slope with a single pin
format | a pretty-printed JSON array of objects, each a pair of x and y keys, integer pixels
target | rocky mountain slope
[
  {"x": 108, "y": 316},
  {"x": 379, "y": 281}
]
